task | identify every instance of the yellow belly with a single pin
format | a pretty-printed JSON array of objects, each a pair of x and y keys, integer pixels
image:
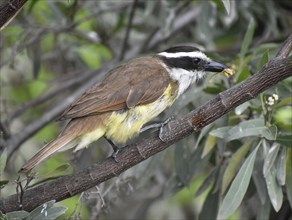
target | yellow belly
[{"x": 124, "y": 125}]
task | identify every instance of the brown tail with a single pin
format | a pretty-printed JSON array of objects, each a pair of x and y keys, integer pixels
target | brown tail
[{"x": 46, "y": 151}]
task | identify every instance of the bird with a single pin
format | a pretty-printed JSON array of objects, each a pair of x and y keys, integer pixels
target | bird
[{"x": 129, "y": 96}]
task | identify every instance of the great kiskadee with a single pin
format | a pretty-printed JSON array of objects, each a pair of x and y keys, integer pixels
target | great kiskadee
[{"x": 128, "y": 97}]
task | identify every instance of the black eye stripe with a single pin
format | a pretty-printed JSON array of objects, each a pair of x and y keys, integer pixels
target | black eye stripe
[{"x": 187, "y": 63}]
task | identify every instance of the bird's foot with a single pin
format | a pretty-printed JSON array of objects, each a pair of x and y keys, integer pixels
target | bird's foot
[
  {"x": 160, "y": 126},
  {"x": 115, "y": 148}
]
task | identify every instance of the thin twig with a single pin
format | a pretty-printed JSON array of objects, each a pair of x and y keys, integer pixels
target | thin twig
[{"x": 128, "y": 30}]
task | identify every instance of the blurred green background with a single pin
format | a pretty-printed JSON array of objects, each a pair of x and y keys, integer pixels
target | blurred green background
[{"x": 239, "y": 167}]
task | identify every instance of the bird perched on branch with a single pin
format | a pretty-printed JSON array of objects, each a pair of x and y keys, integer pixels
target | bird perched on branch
[{"x": 128, "y": 97}]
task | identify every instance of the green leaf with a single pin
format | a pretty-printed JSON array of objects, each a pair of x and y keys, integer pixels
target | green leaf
[
  {"x": 207, "y": 182},
  {"x": 254, "y": 127},
  {"x": 17, "y": 215},
  {"x": 47, "y": 211},
  {"x": 243, "y": 74},
  {"x": 274, "y": 190},
  {"x": 238, "y": 187},
  {"x": 241, "y": 108},
  {"x": 212, "y": 200},
  {"x": 202, "y": 134},
  {"x": 227, "y": 6},
  {"x": 264, "y": 60},
  {"x": 284, "y": 102},
  {"x": 3, "y": 159},
  {"x": 247, "y": 39},
  {"x": 220, "y": 132},
  {"x": 260, "y": 184},
  {"x": 51, "y": 213},
  {"x": 270, "y": 158},
  {"x": 41, "y": 209},
  {"x": 209, "y": 145},
  {"x": 234, "y": 164},
  {"x": 92, "y": 54},
  {"x": 289, "y": 175},
  {"x": 263, "y": 210},
  {"x": 281, "y": 167}
]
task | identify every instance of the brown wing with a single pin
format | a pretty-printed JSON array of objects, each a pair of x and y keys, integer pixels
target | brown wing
[{"x": 137, "y": 82}]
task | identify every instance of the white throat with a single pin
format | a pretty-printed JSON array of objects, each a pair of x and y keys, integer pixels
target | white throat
[{"x": 185, "y": 78}]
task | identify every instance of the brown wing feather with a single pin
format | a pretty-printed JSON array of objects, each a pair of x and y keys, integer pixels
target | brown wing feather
[{"x": 141, "y": 83}]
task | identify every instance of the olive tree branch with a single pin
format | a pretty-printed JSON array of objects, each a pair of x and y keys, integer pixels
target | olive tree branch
[{"x": 64, "y": 187}]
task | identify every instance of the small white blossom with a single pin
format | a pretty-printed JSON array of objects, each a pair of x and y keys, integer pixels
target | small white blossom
[{"x": 276, "y": 97}]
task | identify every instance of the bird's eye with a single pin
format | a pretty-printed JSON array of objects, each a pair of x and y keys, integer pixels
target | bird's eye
[{"x": 196, "y": 60}]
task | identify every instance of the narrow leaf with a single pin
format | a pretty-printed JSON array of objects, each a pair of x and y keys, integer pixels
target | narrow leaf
[
  {"x": 270, "y": 158},
  {"x": 207, "y": 182},
  {"x": 202, "y": 134},
  {"x": 264, "y": 60},
  {"x": 51, "y": 213},
  {"x": 247, "y": 38},
  {"x": 220, "y": 132},
  {"x": 260, "y": 184},
  {"x": 281, "y": 167},
  {"x": 234, "y": 164},
  {"x": 17, "y": 215},
  {"x": 227, "y": 6},
  {"x": 258, "y": 177},
  {"x": 209, "y": 145},
  {"x": 254, "y": 127},
  {"x": 238, "y": 187},
  {"x": 284, "y": 102},
  {"x": 41, "y": 209},
  {"x": 274, "y": 190}
]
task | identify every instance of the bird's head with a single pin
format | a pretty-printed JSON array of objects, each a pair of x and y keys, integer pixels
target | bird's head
[
  {"x": 190, "y": 59},
  {"x": 186, "y": 65}
]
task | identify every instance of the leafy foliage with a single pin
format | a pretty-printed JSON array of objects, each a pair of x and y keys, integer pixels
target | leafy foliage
[
  {"x": 46, "y": 211},
  {"x": 240, "y": 160}
]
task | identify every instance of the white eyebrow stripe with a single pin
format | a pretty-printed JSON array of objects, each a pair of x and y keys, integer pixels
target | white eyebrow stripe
[{"x": 198, "y": 54}]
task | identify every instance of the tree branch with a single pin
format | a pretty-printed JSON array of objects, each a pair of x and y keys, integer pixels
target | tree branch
[
  {"x": 274, "y": 71},
  {"x": 8, "y": 10}
]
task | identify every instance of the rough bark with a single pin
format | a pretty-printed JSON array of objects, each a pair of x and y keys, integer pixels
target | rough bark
[{"x": 8, "y": 10}]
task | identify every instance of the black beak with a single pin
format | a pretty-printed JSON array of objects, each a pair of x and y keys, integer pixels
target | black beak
[{"x": 213, "y": 66}]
